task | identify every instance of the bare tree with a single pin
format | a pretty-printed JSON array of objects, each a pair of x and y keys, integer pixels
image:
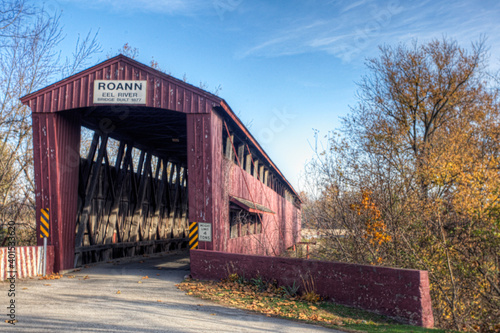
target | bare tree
[{"x": 29, "y": 60}]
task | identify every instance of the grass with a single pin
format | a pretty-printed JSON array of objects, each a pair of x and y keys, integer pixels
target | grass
[{"x": 277, "y": 301}]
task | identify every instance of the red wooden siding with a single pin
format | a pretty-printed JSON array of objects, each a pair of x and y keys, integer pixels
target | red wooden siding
[
  {"x": 58, "y": 111},
  {"x": 200, "y": 178},
  {"x": 279, "y": 231},
  {"x": 56, "y": 141},
  {"x": 163, "y": 91},
  {"x": 28, "y": 262}
]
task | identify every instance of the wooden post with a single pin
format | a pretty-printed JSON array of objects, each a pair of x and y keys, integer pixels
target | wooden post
[
  {"x": 256, "y": 168},
  {"x": 241, "y": 153},
  {"x": 229, "y": 147},
  {"x": 248, "y": 164}
]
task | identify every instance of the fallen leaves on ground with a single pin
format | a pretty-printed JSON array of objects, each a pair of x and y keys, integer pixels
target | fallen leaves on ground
[
  {"x": 270, "y": 302},
  {"x": 53, "y": 276}
]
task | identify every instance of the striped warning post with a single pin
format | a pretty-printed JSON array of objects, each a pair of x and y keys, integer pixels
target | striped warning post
[
  {"x": 44, "y": 223},
  {"x": 193, "y": 236}
]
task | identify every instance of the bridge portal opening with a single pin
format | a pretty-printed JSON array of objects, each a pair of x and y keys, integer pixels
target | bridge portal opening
[{"x": 132, "y": 188}]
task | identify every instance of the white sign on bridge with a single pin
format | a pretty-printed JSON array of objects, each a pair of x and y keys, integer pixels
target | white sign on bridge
[
  {"x": 119, "y": 92},
  {"x": 205, "y": 232}
]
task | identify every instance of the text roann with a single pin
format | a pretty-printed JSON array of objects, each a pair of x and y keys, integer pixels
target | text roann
[{"x": 119, "y": 86}]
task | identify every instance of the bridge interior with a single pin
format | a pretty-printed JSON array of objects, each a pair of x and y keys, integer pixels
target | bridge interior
[{"x": 132, "y": 191}]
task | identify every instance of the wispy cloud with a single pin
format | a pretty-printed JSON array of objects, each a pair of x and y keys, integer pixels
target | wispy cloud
[
  {"x": 353, "y": 30},
  {"x": 171, "y": 7},
  {"x": 354, "y": 5}
]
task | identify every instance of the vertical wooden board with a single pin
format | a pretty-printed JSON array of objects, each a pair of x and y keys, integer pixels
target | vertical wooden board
[
  {"x": 199, "y": 167},
  {"x": 68, "y": 97},
  {"x": 218, "y": 203},
  {"x": 40, "y": 103},
  {"x": 99, "y": 73},
  {"x": 62, "y": 97},
  {"x": 207, "y": 166},
  {"x": 37, "y": 124},
  {"x": 127, "y": 72},
  {"x": 89, "y": 91},
  {"x": 157, "y": 93},
  {"x": 113, "y": 72},
  {"x": 119, "y": 71},
  {"x": 241, "y": 156},
  {"x": 195, "y": 103},
  {"x": 164, "y": 94},
  {"x": 179, "y": 99},
  {"x": 106, "y": 73},
  {"x": 68, "y": 163},
  {"x": 201, "y": 104},
  {"x": 150, "y": 90},
  {"x": 135, "y": 73},
  {"x": 171, "y": 96},
  {"x": 47, "y": 99},
  {"x": 248, "y": 163},
  {"x": 84, "y": 91},
  {"x": 33, "y": 104},
  {"x": 54, "y": 100},
  {"x": 75, "y": 102},
  {"x": 256, "y": 168},
  {"x": 188, "y": 101},
  {"x": 53, "y": 201}
]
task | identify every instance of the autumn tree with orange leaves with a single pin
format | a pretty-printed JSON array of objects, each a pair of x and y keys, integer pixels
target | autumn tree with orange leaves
[{"x": 413, "y": 177}]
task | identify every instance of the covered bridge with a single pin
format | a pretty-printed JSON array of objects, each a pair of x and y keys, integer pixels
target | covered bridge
[{"x": 126, "y": 158}]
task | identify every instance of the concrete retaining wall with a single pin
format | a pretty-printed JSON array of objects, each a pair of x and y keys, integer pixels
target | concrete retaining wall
[{"x": 402, "y": 294}]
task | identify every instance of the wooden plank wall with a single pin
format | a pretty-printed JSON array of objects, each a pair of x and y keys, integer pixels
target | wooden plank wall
[
  {"x": 252, "y": 181},
  {"x": 200, "y": 165},
  {"x": 163, "y": 91},
  {"x": 56, "y": 139}
]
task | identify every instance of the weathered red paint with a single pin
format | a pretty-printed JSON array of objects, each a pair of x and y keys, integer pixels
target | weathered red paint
[
  {"x": 399, "y": 293},
  {"x": 280, "y": 230},
  {"x": 254, "y": 142},
  {"x": 200, "y": 177},
  {"x": 27, "y": 260},
  {"x": 58, "y": 111},
  {"x": 164, "y": 91},
  {"x": 56, "y": 141}
]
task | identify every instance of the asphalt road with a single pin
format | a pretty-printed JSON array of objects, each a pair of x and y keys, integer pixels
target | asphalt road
[{"x": 114, "y": 297}]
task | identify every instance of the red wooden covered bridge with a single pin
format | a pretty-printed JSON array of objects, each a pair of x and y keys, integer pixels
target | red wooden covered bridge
[{"x": 127, "y": 157}]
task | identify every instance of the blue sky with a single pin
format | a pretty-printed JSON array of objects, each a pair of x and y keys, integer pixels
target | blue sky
[{"x": 285, "y": 67}]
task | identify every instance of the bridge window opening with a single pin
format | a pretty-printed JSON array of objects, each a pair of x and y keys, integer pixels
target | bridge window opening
[
  {"x": 243, "y": 223},
  {"x": 245, "y": 217}
]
